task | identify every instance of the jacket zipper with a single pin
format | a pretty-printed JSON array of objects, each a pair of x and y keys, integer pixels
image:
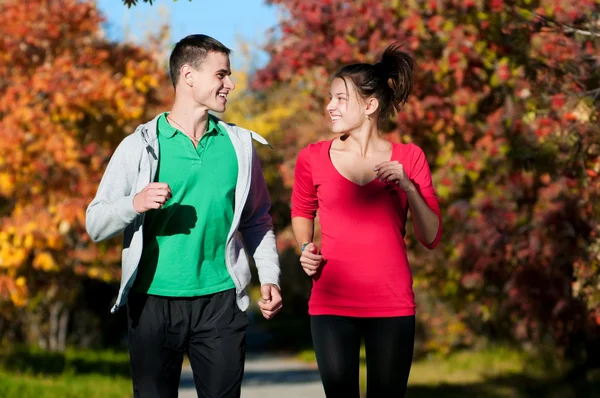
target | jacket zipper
[
  {"x": 228, "y": 260},
  {"x": 133, "y": 269}
]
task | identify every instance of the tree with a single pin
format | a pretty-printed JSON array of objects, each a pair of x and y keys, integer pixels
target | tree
[
  {"x": 130, "y": 3},
  {"x": 506, "y": 107},
  {"x": 67, "y": 98}
]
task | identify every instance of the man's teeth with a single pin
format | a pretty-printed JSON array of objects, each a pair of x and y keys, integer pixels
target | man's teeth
[{"x": 223, "y": 95}]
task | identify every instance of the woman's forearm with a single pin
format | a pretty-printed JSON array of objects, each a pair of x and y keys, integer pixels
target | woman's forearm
[
  {"x": 425, "y": 221},
  {"x": 303, "y": 229}
]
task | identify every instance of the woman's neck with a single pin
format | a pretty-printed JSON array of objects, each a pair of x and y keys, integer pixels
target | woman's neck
[{"x": 364, "y": 140}]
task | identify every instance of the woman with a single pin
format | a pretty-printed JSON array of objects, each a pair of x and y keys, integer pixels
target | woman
[{"x": 363, "y": 186}]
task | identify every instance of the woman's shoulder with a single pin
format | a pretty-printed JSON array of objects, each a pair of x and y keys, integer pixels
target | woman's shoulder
[
  {"x": 315, "y": 149},
  {"x": 410, "y": 150}
]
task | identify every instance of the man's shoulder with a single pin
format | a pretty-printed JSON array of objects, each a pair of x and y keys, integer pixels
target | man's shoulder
[
  {"x": 133, "y": 140},
  {"x": 143, "y": 134},
  {"x": 232, "y": 128},
  {"x": 227, "y": 125}
]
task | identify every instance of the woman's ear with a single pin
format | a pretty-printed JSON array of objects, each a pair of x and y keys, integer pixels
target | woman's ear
[{"x": 372, "y": 104}]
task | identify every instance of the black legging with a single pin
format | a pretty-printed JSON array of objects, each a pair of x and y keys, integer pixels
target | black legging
[{"x": 389, "y": 346}]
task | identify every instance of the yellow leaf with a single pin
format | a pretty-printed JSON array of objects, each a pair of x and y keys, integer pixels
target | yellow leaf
[
  {"x": 18, "y": 299},
  {"x": 45, "y": 261},
  {"x": 480, "y": 46},
  {"x": 494, "y": 80},
  {"x": 6, "y": 184},
  {"x": 127, "y": 82},
  {"x": 28, "y": 243}
]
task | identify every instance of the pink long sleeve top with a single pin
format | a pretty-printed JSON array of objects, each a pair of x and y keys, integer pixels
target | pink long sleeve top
[{"x": 365, "y": 271}]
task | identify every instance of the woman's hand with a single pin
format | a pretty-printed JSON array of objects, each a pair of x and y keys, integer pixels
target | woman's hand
[
  {"x": 393, "y": 171},
  {"x": 311, "y": 259}
]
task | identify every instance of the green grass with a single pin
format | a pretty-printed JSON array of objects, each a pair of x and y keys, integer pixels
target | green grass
[
  {"x": 496, "y": 372},
  {"x": 469, "y": 367},
  {"x": 31, "y": 373},
  {"x": 64, "y": 386},
  {"x": 39, "y": 362}
]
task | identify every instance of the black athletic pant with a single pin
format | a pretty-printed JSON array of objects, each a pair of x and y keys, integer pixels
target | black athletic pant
[
  {"x": 210, "y": 329},
  {"x": 389, "y": 346}
]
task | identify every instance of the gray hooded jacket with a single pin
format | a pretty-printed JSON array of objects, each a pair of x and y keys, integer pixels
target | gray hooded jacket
[{"x": 133, "y": 166}]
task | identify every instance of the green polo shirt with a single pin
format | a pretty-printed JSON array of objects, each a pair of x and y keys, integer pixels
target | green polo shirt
[{"x": 184, "y": 241}]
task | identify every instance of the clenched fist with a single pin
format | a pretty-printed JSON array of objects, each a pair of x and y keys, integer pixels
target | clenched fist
[
  {"x": 311, "y": 259},
  {"x": 393, "y": 171},
  {"x": 270, "y": 302},
  {"x": 154, "y": 196}
]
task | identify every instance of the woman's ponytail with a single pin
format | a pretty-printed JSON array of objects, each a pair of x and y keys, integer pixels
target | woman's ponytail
[{"x": 397, "y": 69}]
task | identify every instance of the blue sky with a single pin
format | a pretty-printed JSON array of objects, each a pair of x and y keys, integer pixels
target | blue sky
[{"x": 225, "y": 20}]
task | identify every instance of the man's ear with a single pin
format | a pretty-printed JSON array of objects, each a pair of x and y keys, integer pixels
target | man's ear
[
  {"x": 372, "y": 104},
  {"x": 186, "y": 75}
]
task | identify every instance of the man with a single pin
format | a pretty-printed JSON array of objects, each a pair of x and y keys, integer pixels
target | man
[{"x": 187, "y": 189}]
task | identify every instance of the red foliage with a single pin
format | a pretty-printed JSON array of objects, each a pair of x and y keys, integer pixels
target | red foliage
[{"x": 506, "y": 107}]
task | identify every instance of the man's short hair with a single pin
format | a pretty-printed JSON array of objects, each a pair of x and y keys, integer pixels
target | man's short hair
[{"x": 192, "y": 50}]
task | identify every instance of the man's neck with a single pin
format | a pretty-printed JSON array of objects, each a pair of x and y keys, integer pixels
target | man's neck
[{"x": 193, "y": 121}]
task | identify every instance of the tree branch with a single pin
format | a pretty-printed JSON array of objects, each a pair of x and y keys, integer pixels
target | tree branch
[
  {"x": 130, "y": 3},
  {"x": 568, "y": 28}
]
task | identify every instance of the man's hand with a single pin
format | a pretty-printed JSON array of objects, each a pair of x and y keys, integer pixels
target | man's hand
[
  {"x": 271, "y": 302},
  {"x": 311, "y": 259},
  {"x": 154, "y": 196}
]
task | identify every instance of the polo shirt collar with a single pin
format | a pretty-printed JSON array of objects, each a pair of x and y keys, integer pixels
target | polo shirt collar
[
  {"x": 165, "y": 128},
  {"x": 213, "y": 126}
]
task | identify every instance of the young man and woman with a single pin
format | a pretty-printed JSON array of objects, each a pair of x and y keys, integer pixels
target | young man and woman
[{"x": 188, "y": 192}]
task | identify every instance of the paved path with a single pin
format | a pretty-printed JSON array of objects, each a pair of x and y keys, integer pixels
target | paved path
[{"x": 269, "y": 376}]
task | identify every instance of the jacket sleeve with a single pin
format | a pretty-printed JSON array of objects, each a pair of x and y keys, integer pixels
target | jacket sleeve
[
  {"x": 111, "y": 211},
  {"x": 256, "y": 227}
]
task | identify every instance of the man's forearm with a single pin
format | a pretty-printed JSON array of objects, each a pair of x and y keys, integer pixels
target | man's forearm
[{"x": 105, "y": 220}]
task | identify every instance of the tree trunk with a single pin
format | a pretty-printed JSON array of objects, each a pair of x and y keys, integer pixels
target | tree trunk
[
  {"x": 63, "y": 324},
  {"x": 34, "y": 325},
  {"x": 53, "y": 326}
]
